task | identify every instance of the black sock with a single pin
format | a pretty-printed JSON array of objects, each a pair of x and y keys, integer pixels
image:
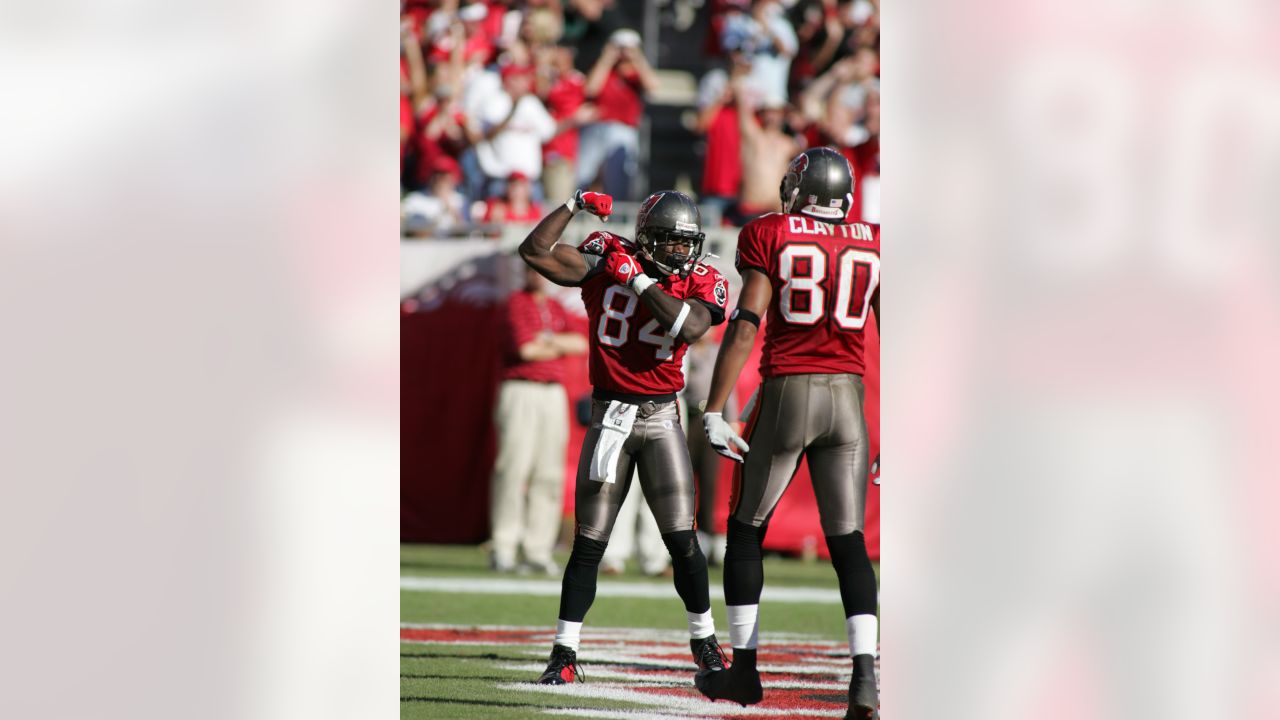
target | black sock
[
  {"x": 853, "y": 568},
  {"x": 744, "y": 658},
  {"x": 689, "y": 568},
  {"x": 743, "y": 569},
  {"x": 578, "y": 589}
]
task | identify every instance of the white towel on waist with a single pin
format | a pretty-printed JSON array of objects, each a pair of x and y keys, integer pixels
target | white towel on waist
[{"x": 614, "y": 431}]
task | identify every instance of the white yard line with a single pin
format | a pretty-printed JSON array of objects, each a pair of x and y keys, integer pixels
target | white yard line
[
  {"x": 692, "y": 704},
  {"x": 619, "y": 635},
  {"x": 594, "y": 671},
  {"x": 551, "y": 588}
]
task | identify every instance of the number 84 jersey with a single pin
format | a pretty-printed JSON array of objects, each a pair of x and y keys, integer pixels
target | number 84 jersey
[
  {"x": 630, "y": 352},
  {"x": 823, "y": 278}
]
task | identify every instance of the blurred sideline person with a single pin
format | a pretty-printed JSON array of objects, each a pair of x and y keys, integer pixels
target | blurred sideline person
[
  {"x": 646, "y": 302},
  {"x": 699, "y": 364},
  {"x": 533, "y": 429},
  {"x": 818, "y": 279},
  {"x": 636, "y": 532}
]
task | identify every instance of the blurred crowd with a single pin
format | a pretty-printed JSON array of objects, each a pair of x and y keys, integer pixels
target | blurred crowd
[{"x": 507, "y": 106}]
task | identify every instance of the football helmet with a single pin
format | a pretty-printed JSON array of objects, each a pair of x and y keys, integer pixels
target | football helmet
[
  {"x": 669, "y": 231},
  {"x": 818, "y": 183}
]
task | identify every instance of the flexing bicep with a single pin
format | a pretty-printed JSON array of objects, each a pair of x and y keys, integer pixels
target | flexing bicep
[{"x": 562, "y": 264}]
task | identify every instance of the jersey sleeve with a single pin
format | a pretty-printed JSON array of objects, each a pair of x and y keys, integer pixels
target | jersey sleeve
[
  {"x": 595, "y": 247},
  {"x": 711, "y": 289},
  {"x": 753, "y": 248}
]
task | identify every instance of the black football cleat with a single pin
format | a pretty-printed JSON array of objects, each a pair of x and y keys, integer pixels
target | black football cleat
[
  {"x": 562, "y": 668},
  {"x": 864, "y": 699},
  {"x": 708, "y": 655},
  {"x": 740, "y": 683}
]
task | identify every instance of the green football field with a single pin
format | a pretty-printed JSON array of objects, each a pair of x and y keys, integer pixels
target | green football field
[{"x": 473, "y": 640}]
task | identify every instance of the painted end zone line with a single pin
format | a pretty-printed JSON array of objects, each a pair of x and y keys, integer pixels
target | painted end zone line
[{"x": 551, "y": 588}]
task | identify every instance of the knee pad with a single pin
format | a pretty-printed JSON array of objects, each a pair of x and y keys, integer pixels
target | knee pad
[
  {"x": 690, "y": 567},
  {"x": 682, "y": 544},
  {"x": 743, "y": 541},
  {"x": 854, "y": 571},
  {"x": 578, "y": 587},
  {"x": 587, "y": 551},
  {"x": 851, "y": 547}
]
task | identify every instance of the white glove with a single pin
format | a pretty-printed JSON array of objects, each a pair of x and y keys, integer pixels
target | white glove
[{"x": 722, "y": 437}]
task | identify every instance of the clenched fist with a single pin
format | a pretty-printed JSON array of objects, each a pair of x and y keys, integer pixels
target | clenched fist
[{"x": 597, "y": 204}]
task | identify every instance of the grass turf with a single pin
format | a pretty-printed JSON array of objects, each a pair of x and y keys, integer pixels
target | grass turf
[{"x": 451, "y": 681}]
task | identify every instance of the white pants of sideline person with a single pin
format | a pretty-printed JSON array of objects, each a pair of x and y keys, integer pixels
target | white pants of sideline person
[
  {"x": 528, "y": 474},
  {"x": 635, "y": 531}
]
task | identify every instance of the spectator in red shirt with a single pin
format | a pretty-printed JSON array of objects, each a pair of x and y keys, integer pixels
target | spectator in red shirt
[
  {"x": 608, "y": 149},
  {"x": 718, "y": 121},
  {"x": 517, "y": 207},
  {"x": 533, "y": 429},
  {"x": 563, "y": 90}
]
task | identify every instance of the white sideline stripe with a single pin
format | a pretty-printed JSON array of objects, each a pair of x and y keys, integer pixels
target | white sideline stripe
[
  {"x": 692, "y": 704},
  {"x": 551, "y": 588},
  {"x": 620, "y": 714},
  {"x": 613, "y": 634},
  {"x": 680, "y": 678}
]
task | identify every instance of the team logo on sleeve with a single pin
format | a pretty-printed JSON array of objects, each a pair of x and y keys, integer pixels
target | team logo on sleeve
[
  {"x": 721, "y": 292},
  {"x": 595, "y": 244}
]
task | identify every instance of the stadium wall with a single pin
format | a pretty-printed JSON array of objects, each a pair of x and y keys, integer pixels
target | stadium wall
[{"x": 452, "y": 299}]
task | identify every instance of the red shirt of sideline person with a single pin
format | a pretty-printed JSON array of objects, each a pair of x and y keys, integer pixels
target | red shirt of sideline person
[
  {"x": 532, "y": 420},
  {"x": 537, "y": 334}
]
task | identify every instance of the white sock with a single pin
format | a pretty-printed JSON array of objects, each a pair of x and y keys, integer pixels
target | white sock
[
  {"x": 864, "y": 633},
  {"x": 743, "y": 626},
  {"x": 701, "y": 625},
  {"x": 568, "y": 634}
]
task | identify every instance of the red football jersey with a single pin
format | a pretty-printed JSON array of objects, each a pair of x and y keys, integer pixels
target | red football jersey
[
  {"x": 630, "y": 352},
  {"x": 823, "y": 278}
]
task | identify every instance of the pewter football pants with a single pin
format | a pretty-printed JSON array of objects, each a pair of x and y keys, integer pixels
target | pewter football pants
[
  {"x": 818, "y": 417},
  {"x": 814, "y": 416},
  {"x": 656, "y": 447}
]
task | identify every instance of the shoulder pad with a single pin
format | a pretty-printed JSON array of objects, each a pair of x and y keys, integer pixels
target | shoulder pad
[{"x": 601, "y": 241}]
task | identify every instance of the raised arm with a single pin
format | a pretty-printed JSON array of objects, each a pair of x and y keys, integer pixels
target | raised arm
[
  {"x": 644, "y": 72},
  {"x": 417, "y": 67},
  {"x": 562, "y": 264},
  {"x": 600, "y": 71}
]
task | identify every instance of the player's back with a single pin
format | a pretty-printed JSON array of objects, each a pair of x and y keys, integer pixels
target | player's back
[{"x": 824, "y": 276}]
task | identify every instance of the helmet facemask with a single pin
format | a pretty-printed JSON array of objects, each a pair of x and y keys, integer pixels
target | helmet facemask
[{"x": 673, "y": 251}]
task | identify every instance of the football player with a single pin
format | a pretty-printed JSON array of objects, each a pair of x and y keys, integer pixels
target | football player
[
  {"x": 646, "y": 301},
  {"x": 817, "y": 279}
]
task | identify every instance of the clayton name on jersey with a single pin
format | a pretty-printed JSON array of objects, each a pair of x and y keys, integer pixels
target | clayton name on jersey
[{"x": 823, "y": 276}]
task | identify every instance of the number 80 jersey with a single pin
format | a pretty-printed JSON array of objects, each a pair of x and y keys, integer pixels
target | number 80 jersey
[
  {"x": 630, "y": 352},
  {"x": 823, "y": 278}
]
